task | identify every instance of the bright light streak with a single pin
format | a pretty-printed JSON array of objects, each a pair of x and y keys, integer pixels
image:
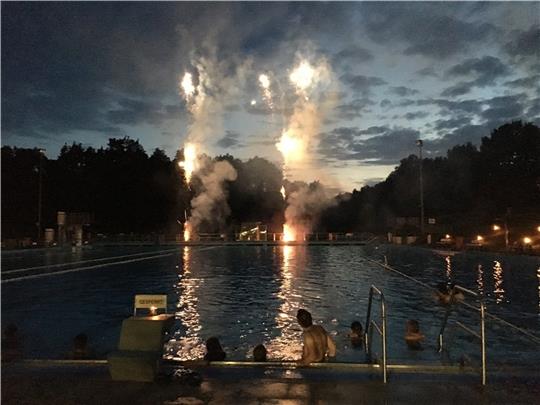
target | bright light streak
[
  {"x": 187, "y": 86},
  {"x": 289, "y": 146},
  {"x": 447, "y": 236},
  {"x": 496, "y": 228},
  {"x": 527, "y": 240},
  {"x": 264, "y": 81},
  {"x": 303, "y": 76},
  {"x": 479, "y": 238},
  {"x": 282, "y": 191},
  {"x": 289, "y": 234},
  {"x": 190, "y": 160}
]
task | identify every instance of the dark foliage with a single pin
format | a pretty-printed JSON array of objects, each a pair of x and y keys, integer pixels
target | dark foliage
[{"x": 128, "y": 191}]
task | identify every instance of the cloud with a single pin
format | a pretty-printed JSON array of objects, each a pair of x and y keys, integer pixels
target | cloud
[
  {"x": 426, "y": 29},
  {"x": 403, "y": 91},
  {"x": 452, "y": 123},
  {"x": 504, "y": 108},
  {"x": 362, "y": 84},
  {"x": 415, "y": 115},
  {"x": 525, "y": 43},
  {"x": 132, "y": 112},
  {"x": 354, "y": 108},
  {"x": 352, "y": 54},
  {"x": 229, "y": 140},
  {"x": 458, "y": 89},
  {"x": 428, "y": 72},
  {"x": 525, "y": 82},
  {"x": 484, "y": 70},
  {"x": 386, "y": 148}
]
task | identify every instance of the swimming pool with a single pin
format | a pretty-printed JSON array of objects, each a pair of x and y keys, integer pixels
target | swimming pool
[{"x": 247, "y": 295}]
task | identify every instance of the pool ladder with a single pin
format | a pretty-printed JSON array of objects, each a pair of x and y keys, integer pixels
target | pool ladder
[
  {"x": 480, "y": 336},
  {"x": 381, "y": 330}
]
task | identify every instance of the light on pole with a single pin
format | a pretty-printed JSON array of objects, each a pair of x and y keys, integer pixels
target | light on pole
[
  {"x": 40, "y": 192},
  {"x": 420, "y": 144}
]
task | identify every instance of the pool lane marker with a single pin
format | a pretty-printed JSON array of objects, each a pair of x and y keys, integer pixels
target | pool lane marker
[
  {"x": 52, "y": 266},
  {"x": 97, "y": 266}
]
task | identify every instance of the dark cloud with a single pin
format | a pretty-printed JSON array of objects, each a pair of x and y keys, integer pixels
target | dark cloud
[
  {"x": 403, "y": 91},
  {"x": 427, "y": 71},
  {"x": 458, "y": 89},
  {"x": 533, "y": 110},
  {"x": 362, "y": 84},
  {"x": 385, "y": 103},
  {"x": 133, "y": 112},
  {"x": 525, "y": 43},
  {"x": 353, "y": 54},
  {"x": 504, "y": 108},
  {"x": 229, "y": 140},
  {"x": 373, "y": 130},
  {"x": 484, "y": 70},
  {"x": 416, "y": 115},
  {"x": 425, "y": 29},
  {"x": 349, "y": 144},
  {"x": 354, "y": 108},
  {"x": 525, "y": 82},
  {"x": 452, "y": 123}
]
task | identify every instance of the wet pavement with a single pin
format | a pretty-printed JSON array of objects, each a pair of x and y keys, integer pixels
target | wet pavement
[{"x": 91, "y": 384}]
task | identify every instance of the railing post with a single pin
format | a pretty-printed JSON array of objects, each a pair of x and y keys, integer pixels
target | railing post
[
  {"x": 483, "y": 340},
  {"x": 383, "y": 311},
  {"x": 368, "y": 323}
]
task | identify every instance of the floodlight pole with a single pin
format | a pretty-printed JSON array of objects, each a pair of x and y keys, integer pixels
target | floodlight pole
[
  {"x": 40, "y": 192},
  {"x": 420, "y": 144}
]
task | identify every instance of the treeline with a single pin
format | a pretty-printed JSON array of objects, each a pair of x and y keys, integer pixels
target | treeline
[
  {"x": 465, "y": 192},
  {"x": 127, "y": 190}
]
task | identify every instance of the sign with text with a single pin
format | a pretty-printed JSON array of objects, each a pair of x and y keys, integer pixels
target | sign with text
[{"x": 149, "y": 301}]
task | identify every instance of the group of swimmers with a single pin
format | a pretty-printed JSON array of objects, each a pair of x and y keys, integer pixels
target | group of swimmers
[{"x": 317, "y": 343}]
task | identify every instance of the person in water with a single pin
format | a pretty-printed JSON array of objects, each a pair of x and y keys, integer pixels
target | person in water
[
  {"x": 317, "y": 343},
  {"x": 356, "y": 334},
  {"x": 448, "y": 294},
  {"x": 413, "y": 336},
  {"x": 259, "y": 353},
  {"x": 214, "y": 352}
]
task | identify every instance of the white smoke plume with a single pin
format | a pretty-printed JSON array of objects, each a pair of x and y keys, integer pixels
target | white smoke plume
[
  {"x": 210, "y": 204},
  {"x": 304, "y": 207}
]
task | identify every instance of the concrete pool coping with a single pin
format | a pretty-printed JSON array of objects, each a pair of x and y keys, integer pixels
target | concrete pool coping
[{"x": 88, "y": 382}]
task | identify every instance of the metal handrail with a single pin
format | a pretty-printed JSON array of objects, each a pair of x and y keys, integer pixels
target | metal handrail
[
  {"x": 481, "y": 336},
  {"x": 371, "y": 324}
]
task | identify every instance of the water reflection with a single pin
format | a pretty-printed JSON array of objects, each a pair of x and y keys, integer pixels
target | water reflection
[
  {"x": 287, "y": 345},
  {"x": 448, "y": 261},
  {"x": 498, "y": 289},
  {"x": 538, "y": 276},
  {"x": 189, "y": 346},
  {"x": 480, "y": 280}
]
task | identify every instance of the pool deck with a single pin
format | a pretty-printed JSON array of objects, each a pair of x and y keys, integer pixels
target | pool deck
[{"x": 80, "y": 383}]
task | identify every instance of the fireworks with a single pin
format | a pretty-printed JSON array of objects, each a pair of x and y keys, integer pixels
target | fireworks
[
  {"x": 187, "y": 86},
  {"x": 303, "y": 76},
  {"x": 190, "y": 161},
  {"x": 264, "y": 82},
  {"x": 283, "y": 194}
]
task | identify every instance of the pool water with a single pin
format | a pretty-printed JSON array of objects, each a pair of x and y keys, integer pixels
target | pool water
[{"x": 247, "y": 295}]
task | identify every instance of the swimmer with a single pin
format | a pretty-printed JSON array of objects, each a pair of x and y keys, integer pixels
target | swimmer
[
  {"x": 413, "y": 337},
  {"x": 214, "y": 352},
  {"x": 259, "y": 353},
  {"x": 356, "y": 334}
]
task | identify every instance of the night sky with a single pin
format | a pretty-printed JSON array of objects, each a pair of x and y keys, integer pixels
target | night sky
[{"x": 447, "y": 73}]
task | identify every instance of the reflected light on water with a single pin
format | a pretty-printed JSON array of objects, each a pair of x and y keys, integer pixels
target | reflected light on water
[
  {"x": 189, "y": 346},
  {"x": 538, "y": 276},
  {"x": 448, "y": 261},
  {"x": 480, "y": 280},
  {"x": 287, "y": 346},
  {"x": 498, "y": 289}
]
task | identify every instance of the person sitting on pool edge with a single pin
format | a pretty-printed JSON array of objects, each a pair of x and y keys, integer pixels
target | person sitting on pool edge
[
  {"x": 80, "y": 350},
  {"x": 413, "y": 337},
  {"x": 259, "y": 353},
  {"x": 317, "y": 342},
  {"x": 356, "y": 334},
  {"x": 214, "y": 352}
]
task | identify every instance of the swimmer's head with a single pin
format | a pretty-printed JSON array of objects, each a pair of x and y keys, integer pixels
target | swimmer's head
[{"x": 304, "y": 318}]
